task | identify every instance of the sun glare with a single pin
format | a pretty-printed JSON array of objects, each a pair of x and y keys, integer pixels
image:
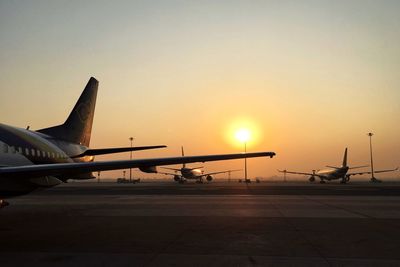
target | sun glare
[
  {"x": 243, "y": 135},
  {"x": 241, "y": 130}
]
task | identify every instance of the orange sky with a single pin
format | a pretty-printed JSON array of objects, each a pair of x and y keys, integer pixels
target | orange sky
[{"x": 310, "y": 77}]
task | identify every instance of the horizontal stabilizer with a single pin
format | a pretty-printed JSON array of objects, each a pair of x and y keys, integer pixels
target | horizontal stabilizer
[{"x": 103, "y": 151}]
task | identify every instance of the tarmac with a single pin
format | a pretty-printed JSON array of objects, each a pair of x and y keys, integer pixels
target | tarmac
[{"x": 215, "y": 224}]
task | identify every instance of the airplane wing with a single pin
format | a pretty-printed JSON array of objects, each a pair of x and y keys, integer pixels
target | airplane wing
[
  {"x": 166, "y": 173},
  {"x": 102, "y": 151},
  {"x": 172, "y": 169},
  {"x": 369, "y": 172},
  {"x": 212, "y": 173},
  {"x": 65, "y": 169},
  {"x": 301, "y": 173}
]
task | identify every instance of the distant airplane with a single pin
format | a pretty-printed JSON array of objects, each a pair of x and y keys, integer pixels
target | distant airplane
[
  {"x": 194, "y": 173},
  {"x": 335, "y": 173},
  {"x": 30, "y": 160}
]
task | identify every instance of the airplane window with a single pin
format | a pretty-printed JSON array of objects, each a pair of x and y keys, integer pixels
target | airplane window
[
  {"x": 43, "y": 154},
  {"x": 48, "y": 154},
  {"x": 38, "y": 153},
  {"x": 52, "y": 155},
  {"x": 33, "y": 152},
  {"x": 27, "y": 151},
  {"x": 20, "y": 150},
  {"x": 12, "y": 149}
]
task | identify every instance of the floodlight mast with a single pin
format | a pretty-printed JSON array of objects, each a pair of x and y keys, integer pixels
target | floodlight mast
[
  {"x": 245, "y": 162},
  {"x": 243, "y": 135}
]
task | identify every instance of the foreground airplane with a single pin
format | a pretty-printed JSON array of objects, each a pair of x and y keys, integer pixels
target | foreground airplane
[
  {"x": 334, "y": 173},
  {"x": 30, "y": 160},
  {"x": 194, "y": 173}
]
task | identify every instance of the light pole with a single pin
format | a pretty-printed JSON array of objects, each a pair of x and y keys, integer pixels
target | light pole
[
  {"x": 245, "y": 162},
  {"x": 243, "y": 135},
  {"x": 373, "y": 179},
  {"x": 130, "y": 169}
]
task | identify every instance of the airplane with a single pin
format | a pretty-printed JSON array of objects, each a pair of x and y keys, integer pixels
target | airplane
[
  {"x": 31, "y": 160},
  {"x": 335, "y": 173},
  {"x": 194, "y": 173}
]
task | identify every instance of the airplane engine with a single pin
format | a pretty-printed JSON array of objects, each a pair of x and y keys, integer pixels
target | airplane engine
[
  {"x": 312, "y": 179},
  {"x": 177, "y": 178},
  {"x": 148, "y": 169},
  {"x": 209, "y": 178}
]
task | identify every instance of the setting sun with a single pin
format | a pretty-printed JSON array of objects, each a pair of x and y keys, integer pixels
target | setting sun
[
  {"x": 243, "y": 135},
  {"x": 241, "y": 130}
]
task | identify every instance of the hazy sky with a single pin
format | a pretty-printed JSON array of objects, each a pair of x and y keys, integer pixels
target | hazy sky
[{"x": 309, "y": 77}]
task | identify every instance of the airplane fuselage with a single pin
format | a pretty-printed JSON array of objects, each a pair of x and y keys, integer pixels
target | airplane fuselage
[
  {"x": 333, "y": 174},
  {"x": 189, "y": 173},
  {"x": 21, "y": 147}
]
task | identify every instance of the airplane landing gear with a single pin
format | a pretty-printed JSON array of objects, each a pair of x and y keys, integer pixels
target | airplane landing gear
[
  {"x": 3, "y": 203},
  {"x": 345, "y": 179},
  {"x": 322, "y": 182},
  {"x": 200, "y": 181},
  {"x": 374, "y": 180}
]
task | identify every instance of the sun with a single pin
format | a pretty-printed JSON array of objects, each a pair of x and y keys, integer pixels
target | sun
[
  {"x": 243, "y": 135},
  {"x": 242, "y": 130}
]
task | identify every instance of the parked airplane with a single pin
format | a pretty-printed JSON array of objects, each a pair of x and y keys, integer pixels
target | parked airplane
[
  {"x": 194, "y": 173},
  {"x": 30, "y": 160},
  {"x": 334, "y": 173}
]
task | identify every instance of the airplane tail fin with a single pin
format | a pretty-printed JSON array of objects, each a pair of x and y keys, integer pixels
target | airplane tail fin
[
  {"x": 78, "y": 126},
  {"x": 344, "y": 164},
  {"x": 183, "y": 154}
]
